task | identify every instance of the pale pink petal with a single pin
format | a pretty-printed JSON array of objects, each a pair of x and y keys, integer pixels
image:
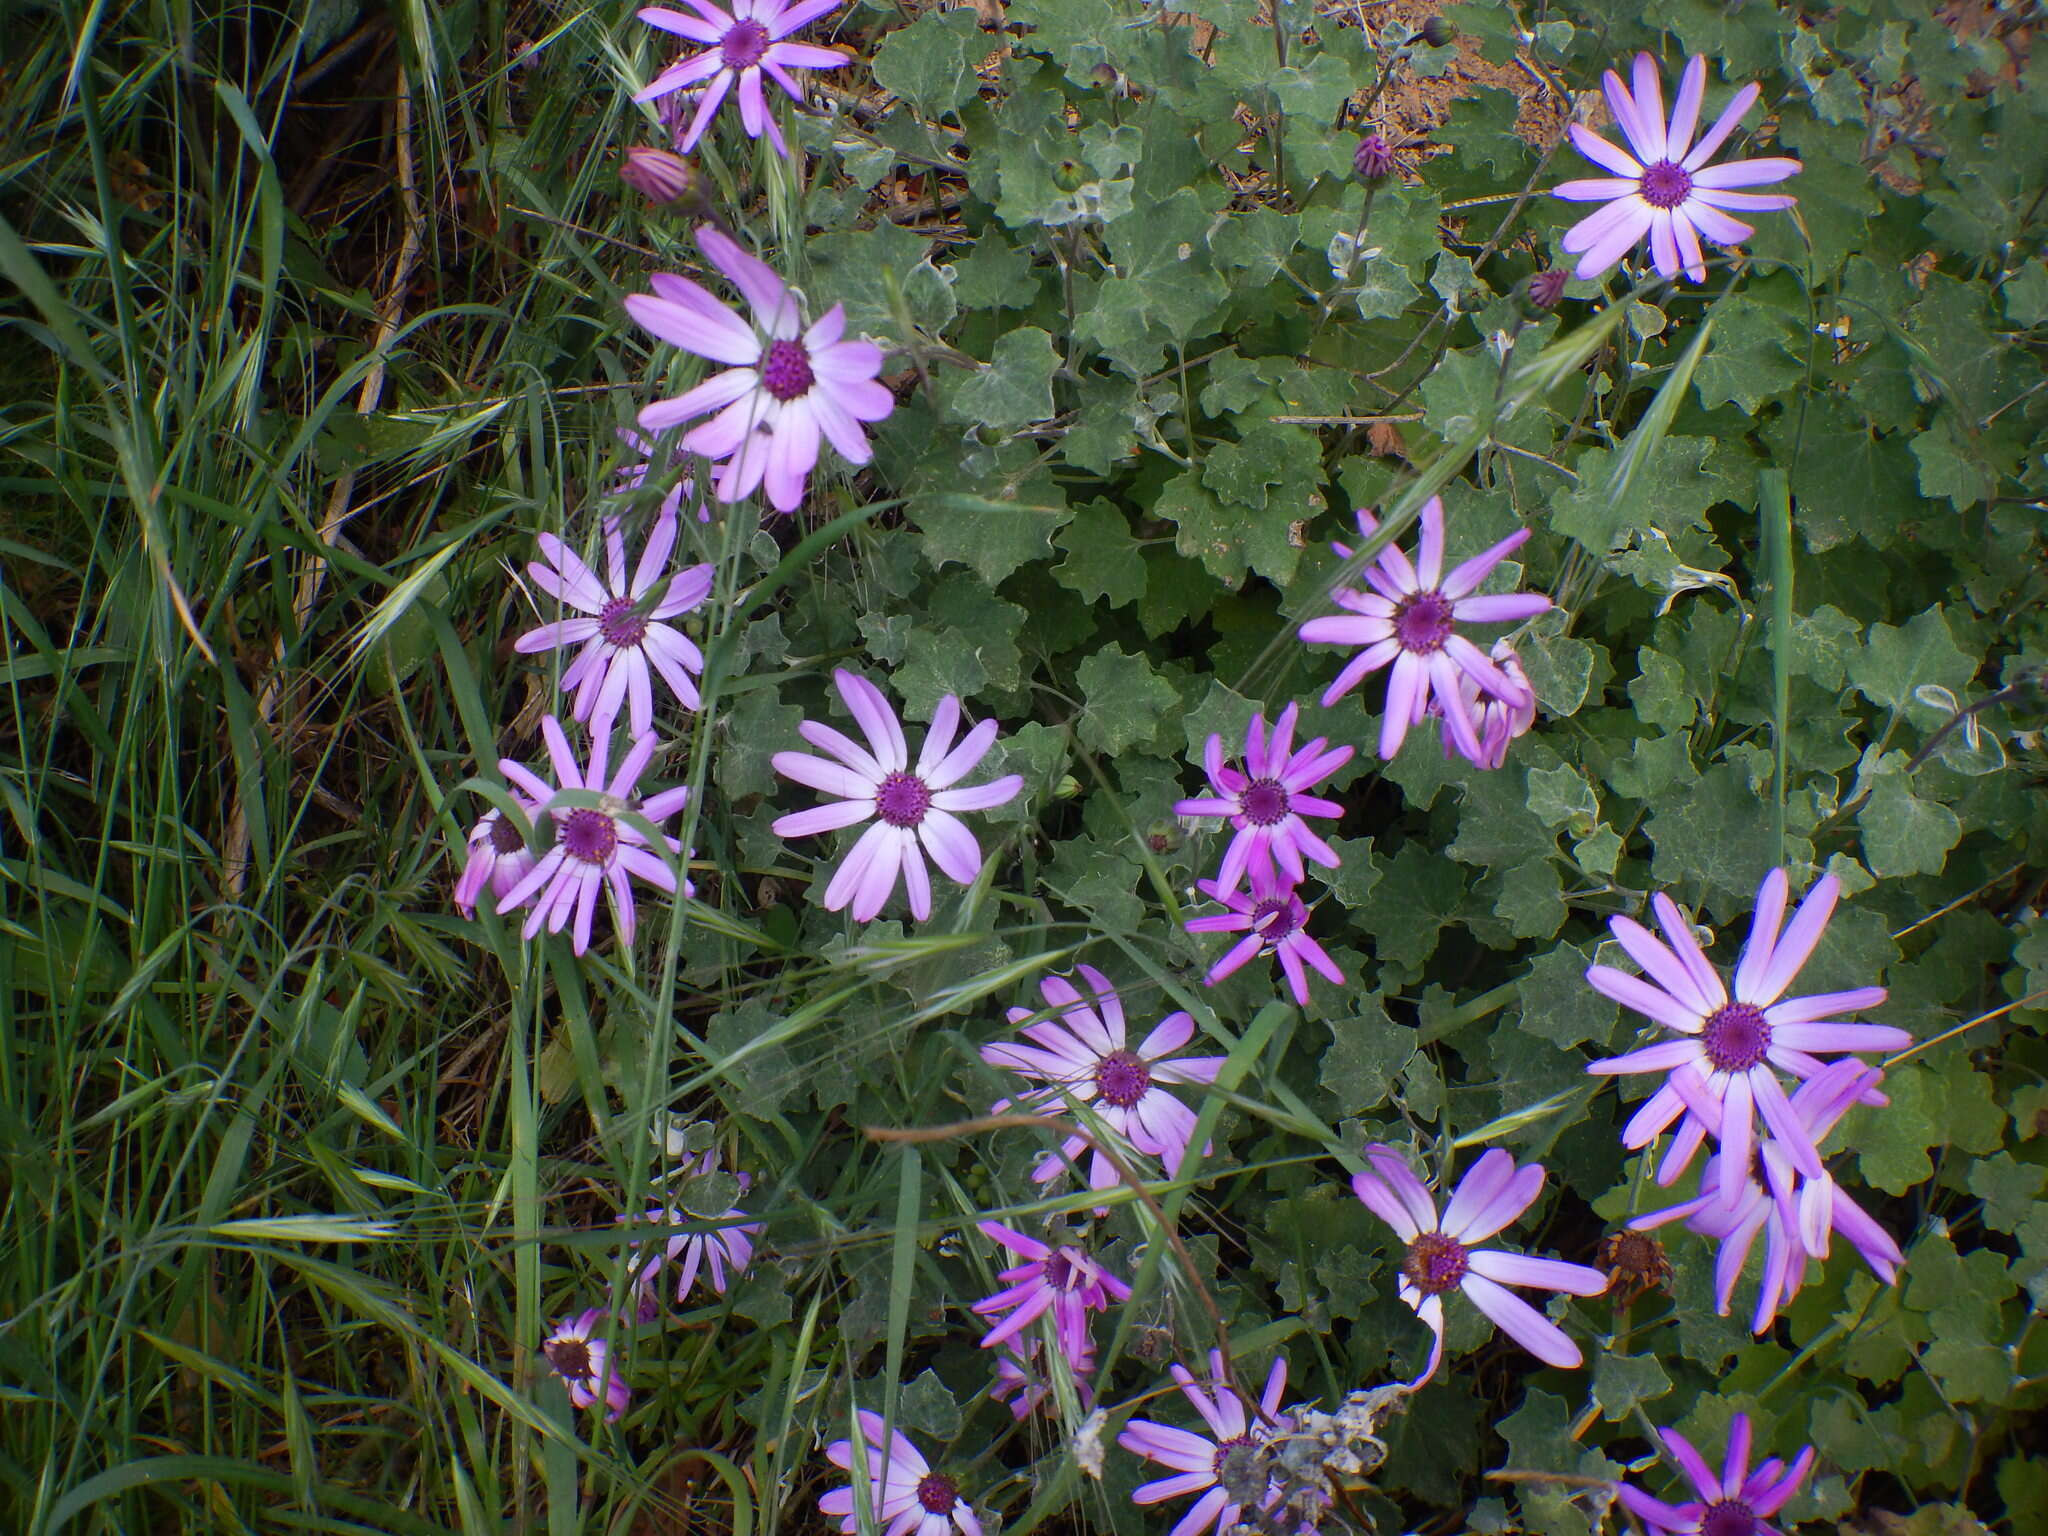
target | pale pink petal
[
  {"x": 1521, "y": 1322},
  {"x": 951, "y": 845},
  {"x": 1724, "y": 125},
  {"x": 1609, "y": 157}
]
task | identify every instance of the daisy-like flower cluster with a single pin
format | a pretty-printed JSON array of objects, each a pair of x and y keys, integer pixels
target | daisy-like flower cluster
[{"x": 1734, "y": 1038}]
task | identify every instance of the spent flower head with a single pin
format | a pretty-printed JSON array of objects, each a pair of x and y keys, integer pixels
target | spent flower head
[{"x": 1212, "y": 1465}]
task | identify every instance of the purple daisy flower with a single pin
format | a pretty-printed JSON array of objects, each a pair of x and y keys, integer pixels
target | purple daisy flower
[
  {"x": 1198, "y": 1461},
  {"x": 1065, "y": 1280},
  {"x": 778, "y": 394},
  {"x": 1739, "y": 1502},
  {"x": 1407, "y": 620},
  {"x": 1721, "y": 1072},
  {"x": 1271, "y": 918},
  {"x": 904, "y": 1494},
  {"x": 1666, "y": 189},
  {"x": 1798, "y": 1215},
  {"x": 1266, "y": 805},
  {"x": 914, "y": 810},
  {"x": 1440, "y": 1258},
  {"x": 1083, "y": 1057},
  {"x": 624, "y": 643},
  {"x": 1024, "y": 1385},
  {"x": 584, "y": 1362},
  {"x": 593, "y": 849},
  {"x": 744, "y": 43},
  {"x": 721, "y": 1252},
  {"x": 1495, "y": 721},
  {"x": 652, "y": 461},
  {"x": 497, "y": 858}
]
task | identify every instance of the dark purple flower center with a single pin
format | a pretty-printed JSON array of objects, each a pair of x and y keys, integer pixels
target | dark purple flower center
[
  {"x": 590, "y": 836},
  {"x": 1064, "y": 1270},
  {"x": 786, "y": 370},
  {"x": 1665, "y": 184},
  {"x": 570, "y": 1358},
  {"x": 1730, "y": 1517},
  {"x": 936, "y": 1493},
  {"x": 902, "y": 800},
  {"x": 1121, "y": 1079},
  {"x": 505, "y": 838},
  {"x": 743, "y": 45},
  {"x": 1274, "y": 918},
  {"x": 1735, "y": 1037},
  {"x": 1422, "y": 621},
  {"x": 1264, "y": 802},
  {"x": 1435, "y": 1263},
  {"x": 619, "y": 625}
]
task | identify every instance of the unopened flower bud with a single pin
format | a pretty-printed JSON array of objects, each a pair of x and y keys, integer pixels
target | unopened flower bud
[
  {"x": 658, "y": 174},
  {"x": 1373, "y": 160},
  {"x": 1540, "y": 292},
  {"x": 1164, "y": 835},
  {"x": 1068, "y": 175},
  {"x": 1437, "y": 32}
]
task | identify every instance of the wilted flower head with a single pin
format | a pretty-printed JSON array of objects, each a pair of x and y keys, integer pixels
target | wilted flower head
[
  {"x": 618, "y": 634},
  {"x": 1407, "y": 620},
  {"x": 1083, "y": 1056},
  {"x": 595, "y": 848},
  {"x": 1722, "y": 1070},
  {"x": 1205, "y": 1464},
  {"x": 583, "y": 1361},
  {"x": 913, "y": 808},
  {"x": 1266, "y": 804},
  {"x": 906, "y": 1497},
  {"x": 1496, "y": 722},
  {"x": 742, "y": 44},
  {"x": 497, "y": 859},
  {"x": 784, "y": 385},
  {"x": 1666, "y": 189},
  {"x": 1737, "y": 1502},
  {"x": 1440, "y": 1257}
]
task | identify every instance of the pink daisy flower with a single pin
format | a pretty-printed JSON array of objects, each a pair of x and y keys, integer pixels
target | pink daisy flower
[
  {"x": 745, "y": 43},
  {"x": 1023, "y": 1384},
  {"x": 721, "y": 1252},
  {"x": 594, "y": 849},
  {"x": 904, "y": 1494},
  {"x": 1407, "y": 620},
  {"x": 1440, "y": 1258},
  {"x": 778, "y": 394},
  {"x": 624, "y": 643},
  {"x": 1266, "y": 805},
  {"x": 584, "y": 1362},
  {"x": 1198, "y": 1461},
  {"x": 1666, "y": 189},
  {"x": 1721, "y": 1071},
  {"x": 1083, "y": 1057},
  {"x": 1495, "y": 721},
  {"x": 914, "y": 810},
  {"x": 1271, "y": 919},
  {"x": 497, "y": 859},
  {"x": 653, "y": 461},
  {"x": 1797, "y": 1215},
  {"x": 1065, "y": 1281},
  {"x": 1739, "y": 1502}
]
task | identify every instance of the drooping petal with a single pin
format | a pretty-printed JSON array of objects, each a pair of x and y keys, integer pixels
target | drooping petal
[{"x": 1521, "y": 1322}]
